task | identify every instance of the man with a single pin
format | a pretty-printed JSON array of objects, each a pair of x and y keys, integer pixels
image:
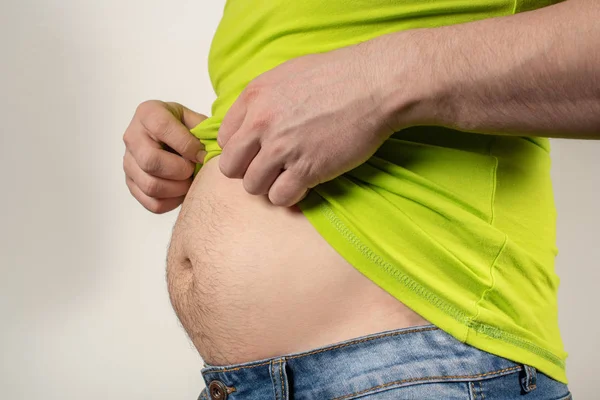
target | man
[{"x": 375, "y": 217}]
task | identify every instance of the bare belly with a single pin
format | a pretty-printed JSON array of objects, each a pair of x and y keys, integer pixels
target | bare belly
[{"x": 249, "y": 280}]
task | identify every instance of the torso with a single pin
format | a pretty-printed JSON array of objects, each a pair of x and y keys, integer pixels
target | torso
[{"x": 249, "y": 280}]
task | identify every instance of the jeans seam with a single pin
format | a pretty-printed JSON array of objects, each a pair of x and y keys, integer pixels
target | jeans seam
[
  {"x": 473, "y": 392},
  {"x": 273, "y": 381},
  {"x": 399, "y": 382},
  {"x": 481, "y": 391},
  {"x": 281, "y": 378}
]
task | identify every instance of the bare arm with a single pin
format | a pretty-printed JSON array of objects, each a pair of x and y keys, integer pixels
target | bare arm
[{"x": 531, "y": 74}]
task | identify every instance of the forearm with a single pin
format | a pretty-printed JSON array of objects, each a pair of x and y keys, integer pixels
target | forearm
[{"x": 530, "y": 74}]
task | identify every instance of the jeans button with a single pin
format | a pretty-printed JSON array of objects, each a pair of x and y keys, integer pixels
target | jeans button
[{"x": 217, "y": 390}]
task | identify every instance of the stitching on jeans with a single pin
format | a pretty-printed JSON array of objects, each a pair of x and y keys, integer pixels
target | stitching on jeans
[
  {"x": 433, "y": 328},
  {"x": 473, "y": 391},
  {"x": 427, "y": 379},
  {"x": 531, "y": 384},
  {"x": 281, "y": 378},
  {"x": 273, "y": 381},
  {"x": 481, "y": 391},
  {"x": 230, "y": 389}
]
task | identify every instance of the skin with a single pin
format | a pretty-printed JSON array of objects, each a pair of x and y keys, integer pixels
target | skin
[{"x": 250, "y": 280}]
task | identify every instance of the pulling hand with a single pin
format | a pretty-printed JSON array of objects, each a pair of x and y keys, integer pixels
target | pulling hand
[{"x": 304, "y": 122}]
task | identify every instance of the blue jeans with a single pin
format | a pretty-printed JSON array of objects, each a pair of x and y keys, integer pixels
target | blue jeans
[{"x": 413, "y": 363}]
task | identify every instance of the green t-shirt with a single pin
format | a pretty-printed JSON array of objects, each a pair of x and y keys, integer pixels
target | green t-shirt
[{"x": 458, "y": 226}]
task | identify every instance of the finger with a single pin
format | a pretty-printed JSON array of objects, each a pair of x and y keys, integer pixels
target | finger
[
  {"x": 238, "y": 155},
  {"x": 287, "y": 190},
  {"x": 261, "y": 173},
  {"x": 189, "y": 118},
  {"x": 163, "y": 126},
  {"x": 155, "y": 161},
  {"x": 152, "y": 186},
  {"x": 233, "y": 120},
  {"x": 157, "y": 206},
  {"x": 303, "y": 196},
  {"x": 201, "y": 156}
]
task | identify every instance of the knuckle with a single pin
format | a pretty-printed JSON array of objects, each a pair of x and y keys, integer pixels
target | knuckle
[
  {"x": 155, "y": 206},
  {"x": 148, "y": 107},
  {"x": 304, "y": 171},
  {"x": 279, "y": 150},
  {"x": 159, "y": 123},
  {"x": 129, "y": 165},
  {"x": 130, "y": 134},
  {"x": 252, "y": 92},
  {"x": 149, "y": 162},
  {"x": 277, "y": 199},
  {"x": 262, "y": 120},
  {"x": 129, "y": 186},
  {"x": 251, "y": 186},
  {"x": 151, "y": 187}
]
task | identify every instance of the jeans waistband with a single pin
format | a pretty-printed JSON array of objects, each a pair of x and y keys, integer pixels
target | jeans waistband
[{"x": 365, "y": 364}]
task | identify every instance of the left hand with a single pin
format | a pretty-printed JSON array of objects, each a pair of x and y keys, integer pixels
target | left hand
[{"x": 304, "y": 122}]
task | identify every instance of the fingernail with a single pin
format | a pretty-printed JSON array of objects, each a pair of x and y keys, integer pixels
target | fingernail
[{"x": 200, "y": 156}]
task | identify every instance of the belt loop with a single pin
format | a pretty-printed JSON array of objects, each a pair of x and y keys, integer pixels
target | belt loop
[
  {"x": 528, "y": 379},
  {"x": 279, "y": 379}
]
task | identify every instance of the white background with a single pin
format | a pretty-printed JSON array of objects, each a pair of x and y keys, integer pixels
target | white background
[{"x": 84, "y": 312}]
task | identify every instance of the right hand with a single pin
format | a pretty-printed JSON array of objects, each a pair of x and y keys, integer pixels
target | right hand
[{"x": 161, "y": 153}]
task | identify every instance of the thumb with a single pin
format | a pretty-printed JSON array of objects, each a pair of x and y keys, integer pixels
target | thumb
[
  {"x": 187, "y": 117},
  {"x": 191, "y": 118}
]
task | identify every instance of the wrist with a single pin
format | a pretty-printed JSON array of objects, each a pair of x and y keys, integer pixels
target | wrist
[{"x": 410, "y": 86}]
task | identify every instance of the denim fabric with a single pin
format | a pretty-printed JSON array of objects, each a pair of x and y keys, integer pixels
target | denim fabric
[{"x": 413, "y": 363}]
